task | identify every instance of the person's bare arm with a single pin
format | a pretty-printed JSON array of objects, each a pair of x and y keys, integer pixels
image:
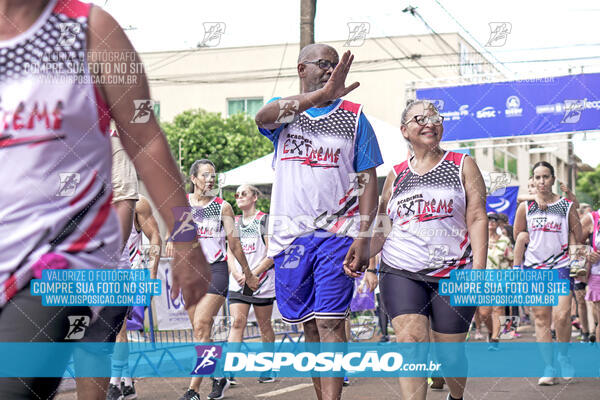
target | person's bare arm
[
  {"x": 575, "y": 227},
  {"x": 239, "y": 278},
  {"x": 357, "y": 258},
  {"x": 147, "y": 147},
  {"x": 569, "y": 195},
  {"x": 371, "y": 279},
  {"x": 525, "y": 197},
  {"x": 149, "y": 226},
  {"x": 233, "y": 241},
  {"x": 334, "y": 88},
  {"x": 520, "y": 220},
  {"x": 383, "y": 223},
  {"x": 266, "y": 262},
  {"x": 476, "y": 218},
  {"x": 124, "y": 209}
]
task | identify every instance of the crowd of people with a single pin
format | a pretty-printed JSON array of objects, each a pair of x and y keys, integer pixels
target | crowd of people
[{"x": 327, "y": 225}]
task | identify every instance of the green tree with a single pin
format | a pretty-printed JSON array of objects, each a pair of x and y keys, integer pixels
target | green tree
[
  {"x": 227, "y": 142},
  {"x": 588, "y": 187}
]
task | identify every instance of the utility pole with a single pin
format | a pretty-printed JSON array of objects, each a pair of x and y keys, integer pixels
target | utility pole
[{"x": 308, "y": 9}]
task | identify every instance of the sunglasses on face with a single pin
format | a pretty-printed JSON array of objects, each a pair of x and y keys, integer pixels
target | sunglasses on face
[
  {"x": 240, "y": 195},
  {"x": 422, "y": 120},
  {"x": 323, "y": 64},
  {"x": 209, "y": 176}
]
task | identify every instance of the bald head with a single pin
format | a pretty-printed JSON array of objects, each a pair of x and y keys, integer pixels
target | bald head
[{"x": 314, "y": 51}]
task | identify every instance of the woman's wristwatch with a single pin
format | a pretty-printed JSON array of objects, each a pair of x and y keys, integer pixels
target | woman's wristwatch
[{"x": 372, "y": 270}]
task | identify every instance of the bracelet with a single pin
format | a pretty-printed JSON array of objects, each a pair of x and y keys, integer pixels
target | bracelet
[{"x": 373, "y": 271}]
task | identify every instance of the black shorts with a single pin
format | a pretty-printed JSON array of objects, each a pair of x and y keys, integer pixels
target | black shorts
[
  {"x": 25, "y": 319},
  {"x": 237, "y": 297},
  {"x": 219, "y": 281},
  {"x": 403, "y": 292},
  {"x": 579, "y": 285},
  {"x": 107, "y": 326}
]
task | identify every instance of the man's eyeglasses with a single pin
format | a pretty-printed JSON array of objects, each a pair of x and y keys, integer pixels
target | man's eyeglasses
[
  {"x": 240, "y": 195},
  {"x": 323, "y": 64},
  {"x": 435, "y": 119}
]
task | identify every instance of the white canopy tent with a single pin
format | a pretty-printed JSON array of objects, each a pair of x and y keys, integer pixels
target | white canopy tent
[{"x": 394, "y": 150}]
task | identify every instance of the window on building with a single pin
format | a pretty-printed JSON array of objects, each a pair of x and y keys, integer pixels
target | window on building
[
  {"x": 249, "y": 106},
  {"x": 505, "y": 161}
]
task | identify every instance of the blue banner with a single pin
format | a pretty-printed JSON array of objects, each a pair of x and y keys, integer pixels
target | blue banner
[
  {"x": 504, "y": 203},
  {"x": 366, "y": 359},
  {"x": 515, "y": 108}
]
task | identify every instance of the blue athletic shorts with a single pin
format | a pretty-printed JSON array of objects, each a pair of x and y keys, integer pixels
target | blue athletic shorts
[{"x": 310, "y": 280}]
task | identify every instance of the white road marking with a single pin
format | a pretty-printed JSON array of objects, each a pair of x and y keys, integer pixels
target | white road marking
[{"x": 285, "y": 390}]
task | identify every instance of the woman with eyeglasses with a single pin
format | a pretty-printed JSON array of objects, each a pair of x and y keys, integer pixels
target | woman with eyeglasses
[
  {"x": 251, "y": 227},
  {"x": 551, "y": 230},
  {"x": 216, "y": 227},
  {"x": 434, "y": 221}
]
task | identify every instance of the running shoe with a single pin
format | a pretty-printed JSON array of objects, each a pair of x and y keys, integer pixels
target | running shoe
[
  {"x": 232, "y": 381},
  {"x": 592, "y": 338},
  {"x": 346, "y": 381},
  {"x": 128, "y": 391},
  {"x": 478, "y": 335},
  {"x": 567, "y": 371},
  {"x": 384, "y": 338},
  {"x": 218, "y": 389},
  {"x": 585, "y": 337},
  {"x": 436, "y": 383},
  {"x": 553, "y": 333},
  {"x": 114, "y": 393},
  {"x": 191, "y": 394},
  {"x": 549, "y": 377},
  {"x": 266, "y": 378}
]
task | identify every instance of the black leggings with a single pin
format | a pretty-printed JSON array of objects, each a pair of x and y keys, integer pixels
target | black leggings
[
  {"x": 25, "y": 319},
  {"x": 403, "y": 295},
  {"x": 382, "y": 315}
]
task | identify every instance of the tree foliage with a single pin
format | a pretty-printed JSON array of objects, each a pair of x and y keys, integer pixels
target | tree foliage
[
  {"x": 588, "y": 187},
  {"x": 227, "y": 142}
]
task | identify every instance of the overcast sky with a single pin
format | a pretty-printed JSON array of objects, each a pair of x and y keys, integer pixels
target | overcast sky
[{"x": 540, "y": 30}]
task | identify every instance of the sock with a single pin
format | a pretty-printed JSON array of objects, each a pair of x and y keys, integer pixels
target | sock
[
  {"x": 116, "y": 371},
  {"x": 115, "y": 381},
  {"x": 127, "y": 380},
  {"x": 452, "y": 398}
]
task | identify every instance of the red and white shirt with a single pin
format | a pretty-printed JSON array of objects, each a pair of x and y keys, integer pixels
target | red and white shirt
[
  {"x": 54, "y": 139},
  {"x": 315, "y": 184},
  {"x": 548, "y": 235},
  {"x": 429, "y": 233},
  {"x": 211, "y": 234},
  {"x": 255, "y": 250}
]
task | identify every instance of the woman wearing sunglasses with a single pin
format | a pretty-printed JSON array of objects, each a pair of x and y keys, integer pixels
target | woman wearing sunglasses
[
  {"x": 252, "y": 229},
  {"x": 216, "y": 228},
  {"x": 434, "y": 208}
]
